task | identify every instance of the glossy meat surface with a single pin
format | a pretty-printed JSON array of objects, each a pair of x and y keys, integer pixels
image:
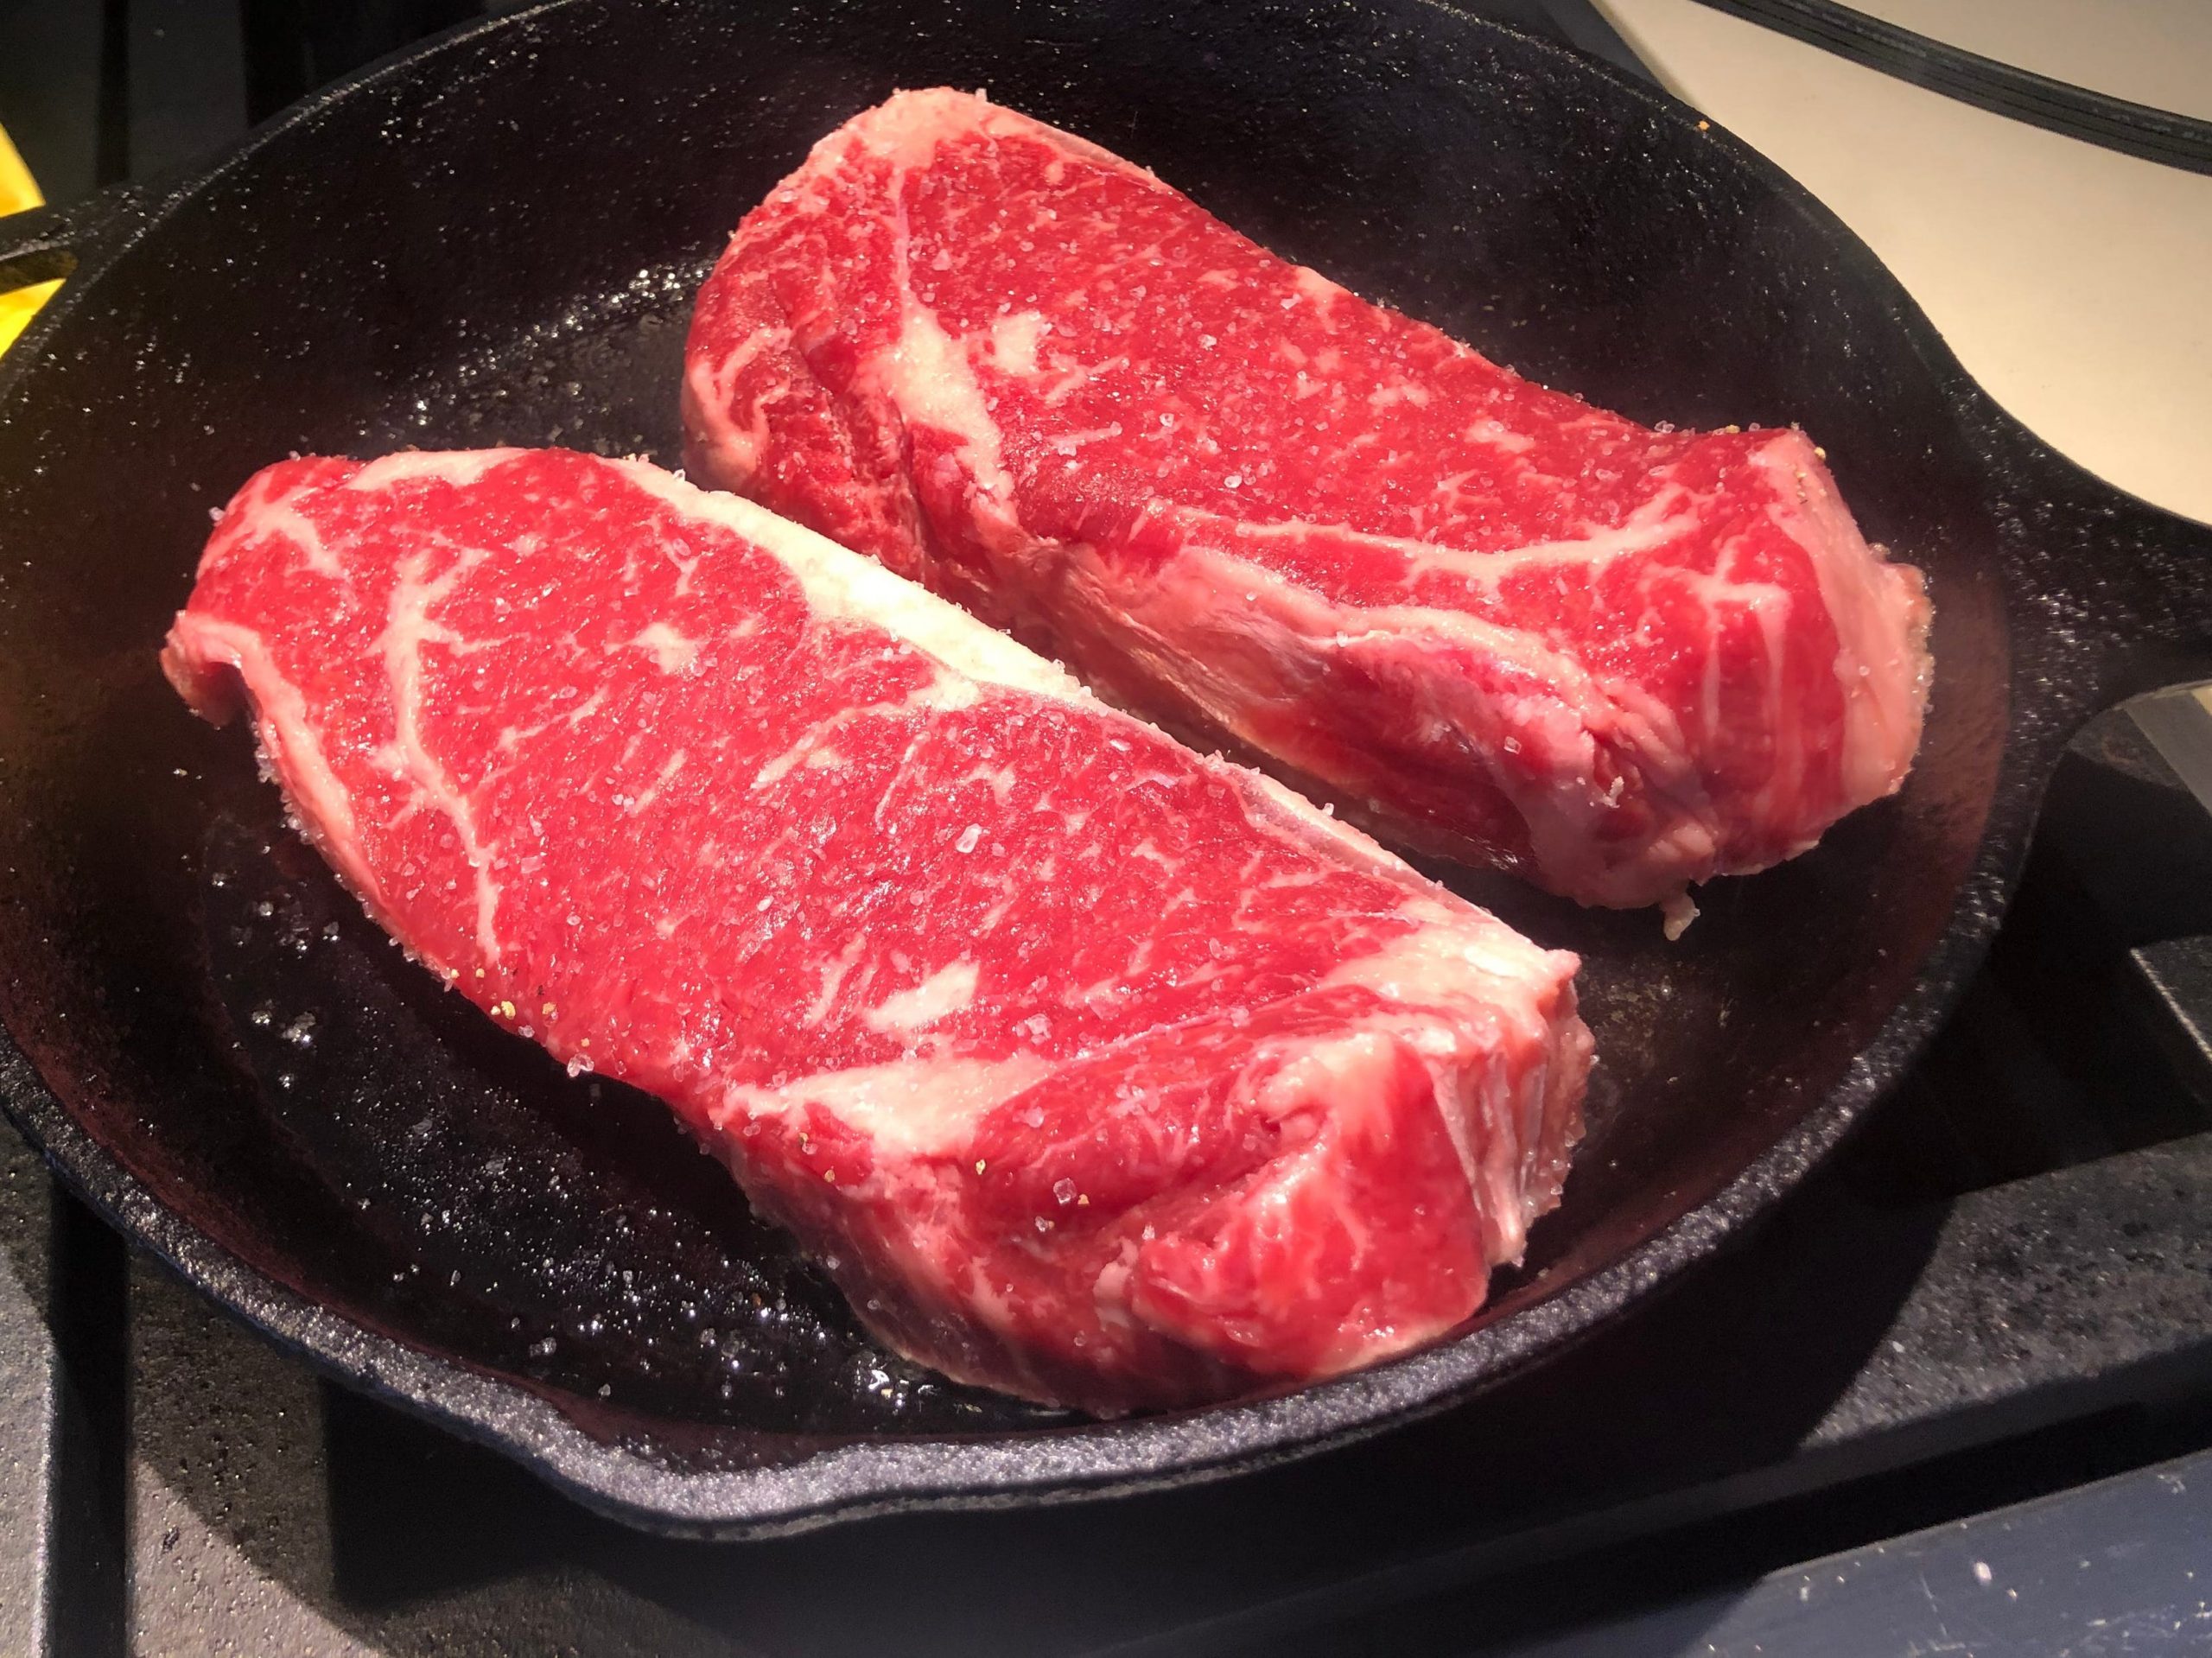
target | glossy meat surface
[
  {"x": 1093, "y": 1070},
  {"x": 1492, "y": 620}
]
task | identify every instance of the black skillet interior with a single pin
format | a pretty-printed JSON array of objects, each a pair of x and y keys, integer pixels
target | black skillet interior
[{"x": 496, "y": 242}]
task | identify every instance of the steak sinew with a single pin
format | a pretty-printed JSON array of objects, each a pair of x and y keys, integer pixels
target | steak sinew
[
  {"x": 1095, "y": 1071},
  {"x": 1498, "y": 623}
]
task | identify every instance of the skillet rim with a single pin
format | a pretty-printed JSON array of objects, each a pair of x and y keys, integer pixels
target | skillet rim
[{"x": 869, "y": 1476}]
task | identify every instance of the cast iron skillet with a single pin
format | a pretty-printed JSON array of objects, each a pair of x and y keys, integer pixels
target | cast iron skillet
[{"x": 496, "y": 240}]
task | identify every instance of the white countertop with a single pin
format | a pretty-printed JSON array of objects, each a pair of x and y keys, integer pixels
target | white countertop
[{"x": 2074, "y": 282}]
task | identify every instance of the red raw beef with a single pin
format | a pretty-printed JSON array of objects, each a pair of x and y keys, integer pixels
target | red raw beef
[
  {"x": 1497, "y": 623},
  {"x": 1093, "y": 1070}
]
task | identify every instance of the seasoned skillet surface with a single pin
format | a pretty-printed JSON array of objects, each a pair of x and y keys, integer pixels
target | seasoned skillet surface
[{"x": 497, "y": 242}]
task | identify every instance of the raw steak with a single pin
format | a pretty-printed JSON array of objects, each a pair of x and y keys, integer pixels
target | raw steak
[
  {"x": 1093, "y": 1070},
  {"x": 1494, "y": 621}
]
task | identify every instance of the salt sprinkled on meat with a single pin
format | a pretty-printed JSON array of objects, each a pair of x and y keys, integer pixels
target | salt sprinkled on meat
[
  {"x": 1302, "y": 1109},
  {"x": 1616, "y": 659}
]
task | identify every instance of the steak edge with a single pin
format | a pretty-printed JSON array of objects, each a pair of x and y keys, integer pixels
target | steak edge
[
  {"x": 1093, "y": 1070},
  {"x": 1494, "y": 622}
]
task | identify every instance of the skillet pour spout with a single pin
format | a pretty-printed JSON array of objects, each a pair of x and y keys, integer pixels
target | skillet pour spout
[{"x": 495, "y": 239}]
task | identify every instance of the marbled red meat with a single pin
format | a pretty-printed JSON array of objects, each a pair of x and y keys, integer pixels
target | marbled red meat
[
  {"x": 1094, "y": 1069},
  {"x": 1496, "y": 622}
]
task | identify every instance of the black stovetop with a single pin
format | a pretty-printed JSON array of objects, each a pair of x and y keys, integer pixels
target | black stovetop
[{"x": 1955, "y": 1395}]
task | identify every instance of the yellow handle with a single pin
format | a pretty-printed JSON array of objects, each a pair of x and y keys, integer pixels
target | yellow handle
[{"x": 19, "y": 191}]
